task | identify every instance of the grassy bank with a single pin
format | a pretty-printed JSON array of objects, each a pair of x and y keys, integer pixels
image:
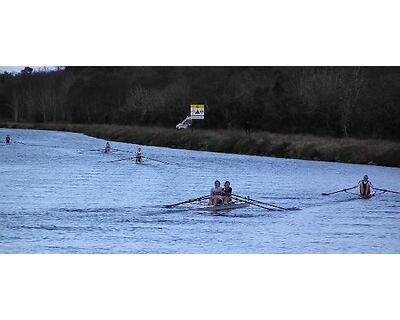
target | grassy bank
[{"x": 308, "y": 147}]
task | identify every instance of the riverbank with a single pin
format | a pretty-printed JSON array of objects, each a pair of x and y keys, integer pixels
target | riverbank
[{"x": 299, "y": 146}]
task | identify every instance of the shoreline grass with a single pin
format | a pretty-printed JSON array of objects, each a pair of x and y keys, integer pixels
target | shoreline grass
[{"x": 295, "y": 146}]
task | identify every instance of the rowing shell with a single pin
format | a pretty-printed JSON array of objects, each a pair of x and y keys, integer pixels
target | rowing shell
[
  {"x": 221, "y": 207},
  {"x": 367, "y": 196}
]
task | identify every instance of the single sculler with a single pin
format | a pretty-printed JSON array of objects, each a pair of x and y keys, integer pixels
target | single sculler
[
  {"x": 366, "y": 188},
  {"x": 107, "y": 148},
  {"x": 138, "y": 156}
]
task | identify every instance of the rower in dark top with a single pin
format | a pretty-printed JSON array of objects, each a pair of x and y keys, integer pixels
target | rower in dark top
[
  {"x": 107, "y": 148},
  {"x": 8, "y": 139},
  {"x": 365, "y": 187},
  {"x": 227, "y": 192}
]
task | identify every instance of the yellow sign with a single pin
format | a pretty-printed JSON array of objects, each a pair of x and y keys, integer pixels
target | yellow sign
[{"x": 197, "y": 111}]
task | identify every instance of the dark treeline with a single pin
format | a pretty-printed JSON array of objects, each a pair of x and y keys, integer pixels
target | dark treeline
[{"x": 334, "y": 101}]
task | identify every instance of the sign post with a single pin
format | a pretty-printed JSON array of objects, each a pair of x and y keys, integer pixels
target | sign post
[{"x": 197, "y": 111}]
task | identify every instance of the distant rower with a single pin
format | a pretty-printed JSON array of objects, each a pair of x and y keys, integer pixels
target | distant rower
[
  {"x": 365, "y": 187},
  {"x": 8, "y": 139},
  {"x": 138, "y": 155},
  {"x": 107, "y": 148}
]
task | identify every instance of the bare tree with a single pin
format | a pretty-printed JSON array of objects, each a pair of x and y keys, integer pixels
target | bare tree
[
  {"x": 15, "y": 105},
  {"x": 352, "y": 81}
]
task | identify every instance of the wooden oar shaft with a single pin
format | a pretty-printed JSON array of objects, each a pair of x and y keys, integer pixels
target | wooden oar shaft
[
  {"x": 35, "y": 145},
  {"x": 251, "y": 203},
  {"x": 93, "y": 150},
  {"x": 385, "y": 190},
  {"x": 343, "y": 190},
  {"x": 123, "y": 150},
  {"x": 264, "y": 203},
  {"x": 119, "y": 160},
  {"x": 187, "y": 201},
  {"x": 155, "y": 160}
]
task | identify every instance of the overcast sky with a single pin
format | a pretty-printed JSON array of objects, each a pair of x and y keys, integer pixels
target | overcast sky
[{"x": 18, "y": 69}]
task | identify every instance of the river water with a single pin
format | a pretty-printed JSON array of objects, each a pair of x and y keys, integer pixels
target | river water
[{"x": 58, "y": 197}]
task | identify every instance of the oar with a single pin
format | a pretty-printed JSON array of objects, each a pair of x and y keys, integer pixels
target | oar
[
  {"x": 251, "y": 203},
  {"x": 343, "y": 190},
  {"x": 36, "y": 145},
  {"x": 155, "y": 160},
  {"x": 93, "y": 150},
  {"x": 119, "y": 160},
  {"x": 187, "y": 201},
  {"x": 264, "y": 203},
  {"x": 123, "y": 150},
  {"x": 385, "y": 190}
]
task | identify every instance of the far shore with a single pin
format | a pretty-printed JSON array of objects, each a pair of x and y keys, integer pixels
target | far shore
[{"x": 295, "y": 146}]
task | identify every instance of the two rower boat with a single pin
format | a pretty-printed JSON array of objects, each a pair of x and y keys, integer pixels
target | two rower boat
[
  {"x": 221, "y": 207},
  {"x": 238, "y": 202}
]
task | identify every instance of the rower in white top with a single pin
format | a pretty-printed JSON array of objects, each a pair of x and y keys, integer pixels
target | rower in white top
[
  {"x": 366, "y": 187},
  {"x": 216, "y": 194},
  {"x": 219, "y": 195}
]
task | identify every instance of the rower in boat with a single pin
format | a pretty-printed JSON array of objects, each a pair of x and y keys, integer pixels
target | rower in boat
[
  {"x": 138, "y": 156},
  {"x": 8, "y": 139},
  {"x": 366, "y": 187},
  {"x": 107, "y": 148},
  {"x": 216, "y": 194},
  {"x": 227, "y": 192}
]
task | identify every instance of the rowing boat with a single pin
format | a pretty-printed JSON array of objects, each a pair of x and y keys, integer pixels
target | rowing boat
[
  {"x": 369, "y": 196},
  {"x": 220, "y": 207}
]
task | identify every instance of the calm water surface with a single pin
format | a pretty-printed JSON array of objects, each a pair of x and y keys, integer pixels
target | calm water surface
[{"x": 57, "y": 198}]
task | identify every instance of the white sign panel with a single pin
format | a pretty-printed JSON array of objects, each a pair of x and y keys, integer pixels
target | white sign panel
[{"x": 197, "y": 111}]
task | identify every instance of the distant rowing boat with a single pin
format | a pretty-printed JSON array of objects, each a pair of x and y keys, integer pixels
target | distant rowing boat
[{"x": 220, "y": 207}]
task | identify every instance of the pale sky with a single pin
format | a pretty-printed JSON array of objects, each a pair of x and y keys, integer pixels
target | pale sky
[{"x": 18, "y": 69}]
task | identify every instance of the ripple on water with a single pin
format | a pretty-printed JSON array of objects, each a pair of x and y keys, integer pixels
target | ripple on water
[{"x": 63, "y": 201}]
